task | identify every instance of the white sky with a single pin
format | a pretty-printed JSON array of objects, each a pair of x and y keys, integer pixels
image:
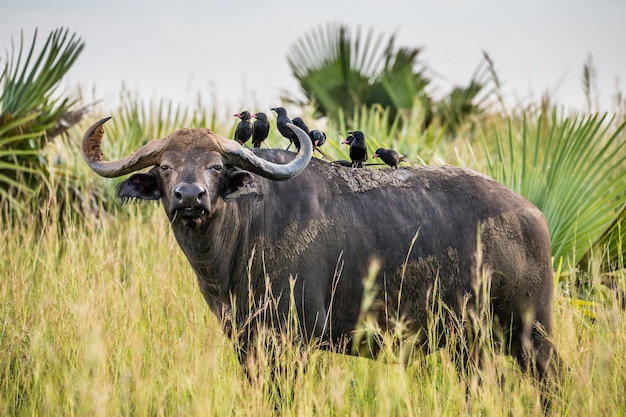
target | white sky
[{"x": 234, "y": 52}]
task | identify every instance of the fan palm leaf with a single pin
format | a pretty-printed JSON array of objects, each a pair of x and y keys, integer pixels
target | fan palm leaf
[
  {"x": 573, "y": 170},
  {"x": 31, "y": 111}
]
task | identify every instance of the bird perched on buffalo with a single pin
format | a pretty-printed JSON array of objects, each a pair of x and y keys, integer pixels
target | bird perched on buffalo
[
  {"x": 317, "y": 136},
  {"x": 358, "y": 148},
  {"x": 300, "y": 123},
  {"x": 261, "y": 129},
  {"x": 390, "y": 157},
  {"x": 281, "y": 124},
  {"x": 244, "y": 128}
]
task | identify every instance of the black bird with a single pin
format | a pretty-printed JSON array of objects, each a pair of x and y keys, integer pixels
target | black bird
[
  {"x": 358, "y": 148},
  {"x": 389, "y": 156},
  {"x": 244, "y": 128},
  {"x": 261, "y": 129},
  {"x": 300, "y": 123},
  {"x": 318, "y": 137},
  {"x": 281, "y": 124}
]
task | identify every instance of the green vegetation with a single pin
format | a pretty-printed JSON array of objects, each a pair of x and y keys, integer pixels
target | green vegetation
[
  {"x": 343, "y": 71},
  {"x": 573, "y": 170},
  {"x": 93, "y": 321},
  {"x": 31, "y": 115}
]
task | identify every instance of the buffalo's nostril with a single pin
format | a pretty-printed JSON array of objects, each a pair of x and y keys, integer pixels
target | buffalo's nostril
[{"x": 189, "y": 194}]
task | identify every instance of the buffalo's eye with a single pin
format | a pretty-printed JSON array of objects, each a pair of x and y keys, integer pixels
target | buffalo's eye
[
  {"x": 215, "y": 168},
  {"x": 166, "y": 168}
]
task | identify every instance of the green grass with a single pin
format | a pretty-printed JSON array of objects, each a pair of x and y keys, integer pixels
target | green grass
[{"x": 107, "y": 319}]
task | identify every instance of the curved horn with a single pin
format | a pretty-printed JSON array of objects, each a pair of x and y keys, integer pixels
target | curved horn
[
  {"x": 243, "y": 157},
  {"x": 92, "y": 153}
]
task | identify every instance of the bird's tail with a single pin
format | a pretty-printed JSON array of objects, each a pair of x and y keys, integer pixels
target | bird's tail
[
  {"x": 324, "y": 154},
  {"x": 420, "y": 161}
]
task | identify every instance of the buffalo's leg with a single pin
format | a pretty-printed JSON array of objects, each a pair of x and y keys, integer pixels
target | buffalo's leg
[{"x": 536, "y": 355}]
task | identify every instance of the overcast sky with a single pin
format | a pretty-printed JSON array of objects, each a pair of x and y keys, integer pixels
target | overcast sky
[{"x": 235, "y": 51}]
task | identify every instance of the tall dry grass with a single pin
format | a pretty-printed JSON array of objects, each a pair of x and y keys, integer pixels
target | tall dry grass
[{"x": 106, "y": 319}]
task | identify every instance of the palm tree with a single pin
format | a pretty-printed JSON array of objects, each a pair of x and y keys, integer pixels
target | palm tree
[
  {"x": 31, "y": 114},
  {"x": 341, "y": 71}
]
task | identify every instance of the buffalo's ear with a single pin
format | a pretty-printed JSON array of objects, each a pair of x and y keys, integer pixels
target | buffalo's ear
[
  {"x": 142, "y": 186},
  {"x": 240, "y": 183}
]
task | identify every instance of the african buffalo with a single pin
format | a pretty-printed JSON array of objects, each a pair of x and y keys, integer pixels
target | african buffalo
[{"x": 253, "y": 222}]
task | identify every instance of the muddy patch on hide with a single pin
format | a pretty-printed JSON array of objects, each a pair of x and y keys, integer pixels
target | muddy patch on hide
[
  {"x": 361, "y": 180},
  {"x": 295, "y": 240}
]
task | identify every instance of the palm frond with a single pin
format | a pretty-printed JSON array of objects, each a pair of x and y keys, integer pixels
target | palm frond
[
  {"x": 338, "y": 69},
  {"x": 572, "y": 170},
  {"x": 32, "y": 111}
]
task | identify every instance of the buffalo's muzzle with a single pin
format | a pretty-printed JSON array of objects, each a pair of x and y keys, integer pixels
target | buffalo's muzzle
[{"x": 190, "y": 200}]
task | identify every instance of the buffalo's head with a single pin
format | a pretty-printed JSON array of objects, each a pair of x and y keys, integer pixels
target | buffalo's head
[{"x": 192, "y": 168}]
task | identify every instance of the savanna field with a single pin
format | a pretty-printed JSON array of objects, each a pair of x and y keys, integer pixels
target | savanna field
[{"x": 101, "y": 314}]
